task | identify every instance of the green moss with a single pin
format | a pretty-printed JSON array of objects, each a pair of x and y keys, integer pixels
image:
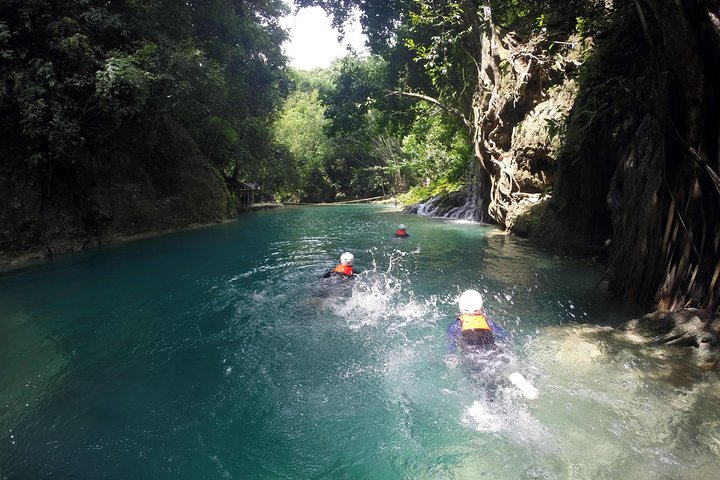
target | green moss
[{"x": 420, "y": 194}]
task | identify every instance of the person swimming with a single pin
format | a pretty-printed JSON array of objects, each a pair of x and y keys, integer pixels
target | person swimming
[
  {"x": 472, "y": 328},
  {"x": 337, "y": 281},
  {"x": 401, "y": 231},
  {"x": 475, "y": 334},
  {"x": 344, "y": 269}
]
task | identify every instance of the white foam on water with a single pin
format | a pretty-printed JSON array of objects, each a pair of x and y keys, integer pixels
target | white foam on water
[
  {"x": 382, "y": 298},
  {"x": 260, "y": 297},
  {"x": 505, "y": 415},
  {"x": 482, "y": 419}
]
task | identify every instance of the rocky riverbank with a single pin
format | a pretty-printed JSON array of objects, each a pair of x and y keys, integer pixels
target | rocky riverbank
[
  {"x": 12, "y": 260},
  {"x": 695, "y": 329}
]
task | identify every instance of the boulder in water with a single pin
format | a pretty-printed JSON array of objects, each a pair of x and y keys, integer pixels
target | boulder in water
[{"x": 689, "y": 327}]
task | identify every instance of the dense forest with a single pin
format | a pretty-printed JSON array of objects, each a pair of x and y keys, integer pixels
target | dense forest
[
  {"x": 587, "y": 125},
  {"x": 129, "y": 117}
]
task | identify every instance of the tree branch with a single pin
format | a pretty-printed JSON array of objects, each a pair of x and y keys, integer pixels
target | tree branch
[{"x": 434, "y": 101}]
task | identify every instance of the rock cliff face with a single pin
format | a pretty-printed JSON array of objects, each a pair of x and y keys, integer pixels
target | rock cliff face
[
  {"x": 641, "y": 170},
  {"x": 609, "y": 146},
  {"x": 637, "y": 175},
  {"x": 145, "y": 188},
  {"x": 519, "y": 128}
]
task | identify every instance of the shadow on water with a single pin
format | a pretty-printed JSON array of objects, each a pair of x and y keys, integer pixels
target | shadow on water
[{"x": 217, "y": 353}]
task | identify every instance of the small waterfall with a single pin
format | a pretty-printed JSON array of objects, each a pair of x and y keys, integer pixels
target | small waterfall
[
  {"x": 472, "y": 209},
  {"x": 429, "y": 208},
  {"x": 466, "y": 204}
]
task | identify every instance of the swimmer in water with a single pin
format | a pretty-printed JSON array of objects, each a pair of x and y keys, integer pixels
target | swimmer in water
[
  {"x": 472, "y": 328},
  {"x": 401, "y": 231},
  {"x": 344, "y": 269},
  {"x": 474, "y": 332}
]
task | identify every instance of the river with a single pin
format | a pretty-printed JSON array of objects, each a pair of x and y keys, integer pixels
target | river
[{"x": 216, "y": 353}]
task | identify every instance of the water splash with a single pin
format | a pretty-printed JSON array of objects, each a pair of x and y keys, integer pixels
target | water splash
[
  {"x": 507, "y": 416},
  {"x": 378, "y": 297}
]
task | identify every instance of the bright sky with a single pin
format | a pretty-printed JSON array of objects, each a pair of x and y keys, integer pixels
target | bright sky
[{"x": 313, "y": 42}]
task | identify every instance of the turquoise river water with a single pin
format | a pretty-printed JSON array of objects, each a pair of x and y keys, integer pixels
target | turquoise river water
[{"x": 217, "y": 354}]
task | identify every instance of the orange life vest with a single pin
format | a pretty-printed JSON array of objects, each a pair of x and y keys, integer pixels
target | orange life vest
[
  {"x": 401, "y": 233},
  {"x": 344, "y": 269},
  {"x": 474, "y": 322}
]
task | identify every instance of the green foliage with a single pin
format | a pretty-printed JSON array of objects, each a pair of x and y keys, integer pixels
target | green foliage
[
  {"x": 581, "y": 25},
  {"x": 122, "y": 87},
  {"x": 76, "y": 72},
  {"x": 301, "y": 129},
  {"x": 421, "y": 193},
  {"x": 337, "y": 130},
  {"x": 509, "y": 12},
  {"x": 436, "y": 148},
  {"x": 358, "y": 84},
  {"x": 319, "y": 79},
  {"x": 438, "y": 34},
  {"x": 387, "y": 143}
]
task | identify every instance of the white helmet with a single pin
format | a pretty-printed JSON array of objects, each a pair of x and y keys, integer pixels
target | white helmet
[
  {"x": 470, "y": 301},
  {"x": 347, "y": 258},
  {"x": 402, "y": 226}
]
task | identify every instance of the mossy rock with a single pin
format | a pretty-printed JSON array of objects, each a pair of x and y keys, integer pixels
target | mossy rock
[{"x": 528, "y": 216}]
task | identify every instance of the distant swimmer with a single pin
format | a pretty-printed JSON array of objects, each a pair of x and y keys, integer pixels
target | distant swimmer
[
  {"x": 401, "y": 231},
  {"x": 473, "y": 331},
  {"x": 344, "y": 269}
]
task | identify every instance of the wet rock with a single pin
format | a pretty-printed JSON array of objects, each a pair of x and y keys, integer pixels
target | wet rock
[
  {"x": 695, "y": 328},
  {"x": 525, "y": 216},
  {"x": 464, "y": 204}
]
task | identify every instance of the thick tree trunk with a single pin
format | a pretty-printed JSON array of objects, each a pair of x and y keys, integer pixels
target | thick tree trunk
[
  {"x": 665, "y": 198},
  {"x": 509, "y": 78}
]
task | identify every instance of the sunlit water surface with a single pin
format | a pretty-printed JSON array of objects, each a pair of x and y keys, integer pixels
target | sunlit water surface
[{"x": 215, "y": 353}]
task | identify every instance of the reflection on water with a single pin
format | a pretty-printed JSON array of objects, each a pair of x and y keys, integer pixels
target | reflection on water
[{"x": 217, "y": 353}]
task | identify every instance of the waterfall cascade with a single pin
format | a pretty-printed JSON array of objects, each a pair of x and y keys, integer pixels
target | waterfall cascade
[{"x": 466, "y": 204}]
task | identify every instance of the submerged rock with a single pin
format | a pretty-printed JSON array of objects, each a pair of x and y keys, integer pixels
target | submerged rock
[
  {"x": 570, "y": 352},
  {"x": 688, "y": 327}
]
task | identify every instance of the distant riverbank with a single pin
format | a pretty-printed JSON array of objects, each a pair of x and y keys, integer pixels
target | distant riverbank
[{"x": 16, "y": 260}]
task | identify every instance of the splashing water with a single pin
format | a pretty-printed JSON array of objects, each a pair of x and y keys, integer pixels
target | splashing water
[{"x": 218, "y": 353}]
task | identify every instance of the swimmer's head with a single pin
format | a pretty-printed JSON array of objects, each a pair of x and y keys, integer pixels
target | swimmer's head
[
  {"x": 470, "y": 301},
  {"x": 347, "y": 259}
]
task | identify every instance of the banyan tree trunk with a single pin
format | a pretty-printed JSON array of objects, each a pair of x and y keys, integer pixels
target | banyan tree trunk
[
  {"x": 665, "y": 195},
  {"x": 510, "y": 76}
]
